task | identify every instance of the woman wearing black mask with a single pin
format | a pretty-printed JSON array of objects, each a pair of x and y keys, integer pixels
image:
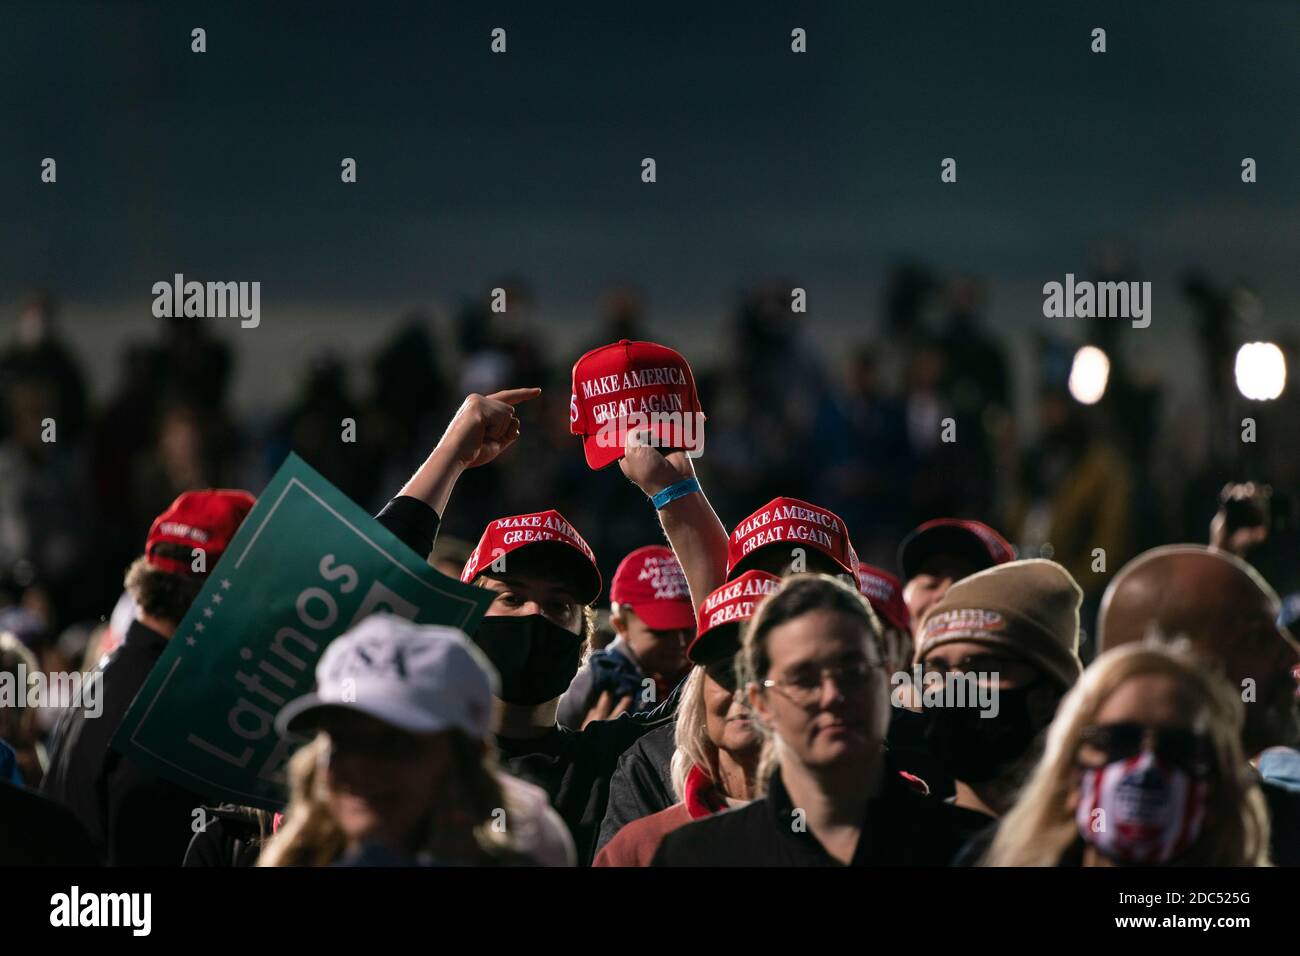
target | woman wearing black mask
[{"x": 994, "y": 658}]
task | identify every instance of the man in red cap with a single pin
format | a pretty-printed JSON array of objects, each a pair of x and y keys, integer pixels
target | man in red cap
[
  {"x": 787, "y": 535},
  {"x": 941, "y": 552},
  {"x": 651, "y": 612},
  {"x": 132, "y": 816}
]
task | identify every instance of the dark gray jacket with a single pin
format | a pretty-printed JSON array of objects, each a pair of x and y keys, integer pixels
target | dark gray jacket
[{"x": 642, "y": 783}]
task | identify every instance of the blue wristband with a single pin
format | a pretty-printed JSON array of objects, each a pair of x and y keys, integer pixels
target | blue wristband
[{"x": 680, "y": 489}]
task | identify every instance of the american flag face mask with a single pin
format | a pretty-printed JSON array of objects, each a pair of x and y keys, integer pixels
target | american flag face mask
[{"x": 1140, "y": 810}]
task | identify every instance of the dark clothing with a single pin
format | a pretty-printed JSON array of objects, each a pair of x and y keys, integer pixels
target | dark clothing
[
  {"x": 977, "y": 845},
  {"x": 574, "y": 767},
  {"x": 642, "y": 783},
  {"x": 1284, "y": 823},
  {"x": 902, "y": 827},
  {"x": 133, "y": 816},
  {"x": 35, "y": 831},
  {"x": 412, "y": 521},
  {"x": 233, "y": 836}
]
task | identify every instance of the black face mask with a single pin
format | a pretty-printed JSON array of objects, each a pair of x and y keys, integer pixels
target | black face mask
[
  {"x": 535, "y": 657},
  {"x": 974, "y": 749}
]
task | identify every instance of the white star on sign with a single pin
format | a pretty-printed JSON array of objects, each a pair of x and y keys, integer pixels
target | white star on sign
[
  {"x": 190, "y": 641},
  {"x": 216, "y": 599},
  {"x": 207, "y": 612},
  {"x": 199, "y": 628},
  {"x": 225, "y": 584}
]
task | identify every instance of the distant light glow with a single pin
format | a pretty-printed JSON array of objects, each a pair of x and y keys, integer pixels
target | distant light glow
[
  {"x": 1261, "y": 371},
  {"x": 1089, "y": 375}
]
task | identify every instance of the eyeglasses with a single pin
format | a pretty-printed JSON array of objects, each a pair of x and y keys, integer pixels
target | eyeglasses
[
  {"x": 1176, "y": 747},
  {"x": 804, "y": 686}
]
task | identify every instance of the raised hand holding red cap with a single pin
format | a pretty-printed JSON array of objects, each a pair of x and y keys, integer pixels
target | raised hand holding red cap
[{"x": 650, "y": 469}]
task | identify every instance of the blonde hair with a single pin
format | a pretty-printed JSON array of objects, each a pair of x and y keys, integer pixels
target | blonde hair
[
  {"x": 310, "y": 836},
  {"x": 694, "y": 748},
  {"x": 1041, "y": 827}
]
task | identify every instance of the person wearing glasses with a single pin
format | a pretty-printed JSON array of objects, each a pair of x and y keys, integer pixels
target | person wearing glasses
[
  {"x": 995, "y": 656},
  {"x": 715, "y": 764},
  {"x": 813, "y": 670},
  {"x": 1143, "y": 767}
]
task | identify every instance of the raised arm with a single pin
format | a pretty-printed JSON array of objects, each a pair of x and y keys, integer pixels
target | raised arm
[
  {"x": 694, "y": 531},
  {"x": 483, "y": 427}
]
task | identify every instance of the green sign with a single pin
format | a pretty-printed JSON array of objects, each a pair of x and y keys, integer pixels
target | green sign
[{"x": 305, "y": 566}]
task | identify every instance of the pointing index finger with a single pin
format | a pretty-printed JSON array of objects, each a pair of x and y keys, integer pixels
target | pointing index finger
[{"x": 513, "y": 396}]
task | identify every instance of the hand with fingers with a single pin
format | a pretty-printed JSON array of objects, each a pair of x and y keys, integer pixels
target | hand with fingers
[
  {"x": 484, "y": 426},
  {"x": 605, "y": 709},
  {"x": 650, "y": 469}
]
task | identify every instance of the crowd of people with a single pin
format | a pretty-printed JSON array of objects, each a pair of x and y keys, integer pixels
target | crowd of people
[{"x": 765, "y": 695}]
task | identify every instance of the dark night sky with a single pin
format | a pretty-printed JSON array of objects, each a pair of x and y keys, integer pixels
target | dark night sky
[{"x": 823, "y": 166}]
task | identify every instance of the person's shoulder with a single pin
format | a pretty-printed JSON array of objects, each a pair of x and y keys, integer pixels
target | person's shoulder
[
  {"x": 653, "y": 743},
  {"x": 715, "y": 839},
  {"x": 936, "y": 829},
  {"x": 637, "y": 841},
  {"x": 35, "y": 830}
]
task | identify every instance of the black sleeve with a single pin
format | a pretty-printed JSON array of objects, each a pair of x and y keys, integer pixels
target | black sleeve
[
  {"x": 209, "y": 847},
  {"x": 413, "y": 521},
  {"x": 636, "y": 790}
]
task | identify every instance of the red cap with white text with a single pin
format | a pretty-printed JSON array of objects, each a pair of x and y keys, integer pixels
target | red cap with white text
[
  {"x": 632, "y": 387},
  {"x": 571, "y": 558}
]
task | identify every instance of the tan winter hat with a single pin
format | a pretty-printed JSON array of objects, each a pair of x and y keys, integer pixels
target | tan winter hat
[{"x": 1029, "y": 607}]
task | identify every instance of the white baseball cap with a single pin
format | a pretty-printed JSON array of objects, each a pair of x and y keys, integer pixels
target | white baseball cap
[{"x": 420, "y": 678}]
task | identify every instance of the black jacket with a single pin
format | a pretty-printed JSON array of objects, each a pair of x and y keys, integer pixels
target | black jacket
[
  {"x": 133, "y": 817},
  {"x": 903, "y": 827},
  {"x": 642, "y": 783}
]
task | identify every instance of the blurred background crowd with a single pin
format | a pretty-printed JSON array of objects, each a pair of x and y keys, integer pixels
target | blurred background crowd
[{"x": 1102, "y": 460}]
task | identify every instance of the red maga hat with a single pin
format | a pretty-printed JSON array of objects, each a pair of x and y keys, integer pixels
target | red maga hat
[
  {"x": 885, "y": 592},
  {"x": 571, "y": 556},
  {"x": 205, "y": 519},
  {"x": 634, "y": 386},
  {"x": 959, "y": 537},
  {"x": 650, "y": 581},
  {"x": 790, "y": 523},
  {"x": 717, "y": 635}
]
